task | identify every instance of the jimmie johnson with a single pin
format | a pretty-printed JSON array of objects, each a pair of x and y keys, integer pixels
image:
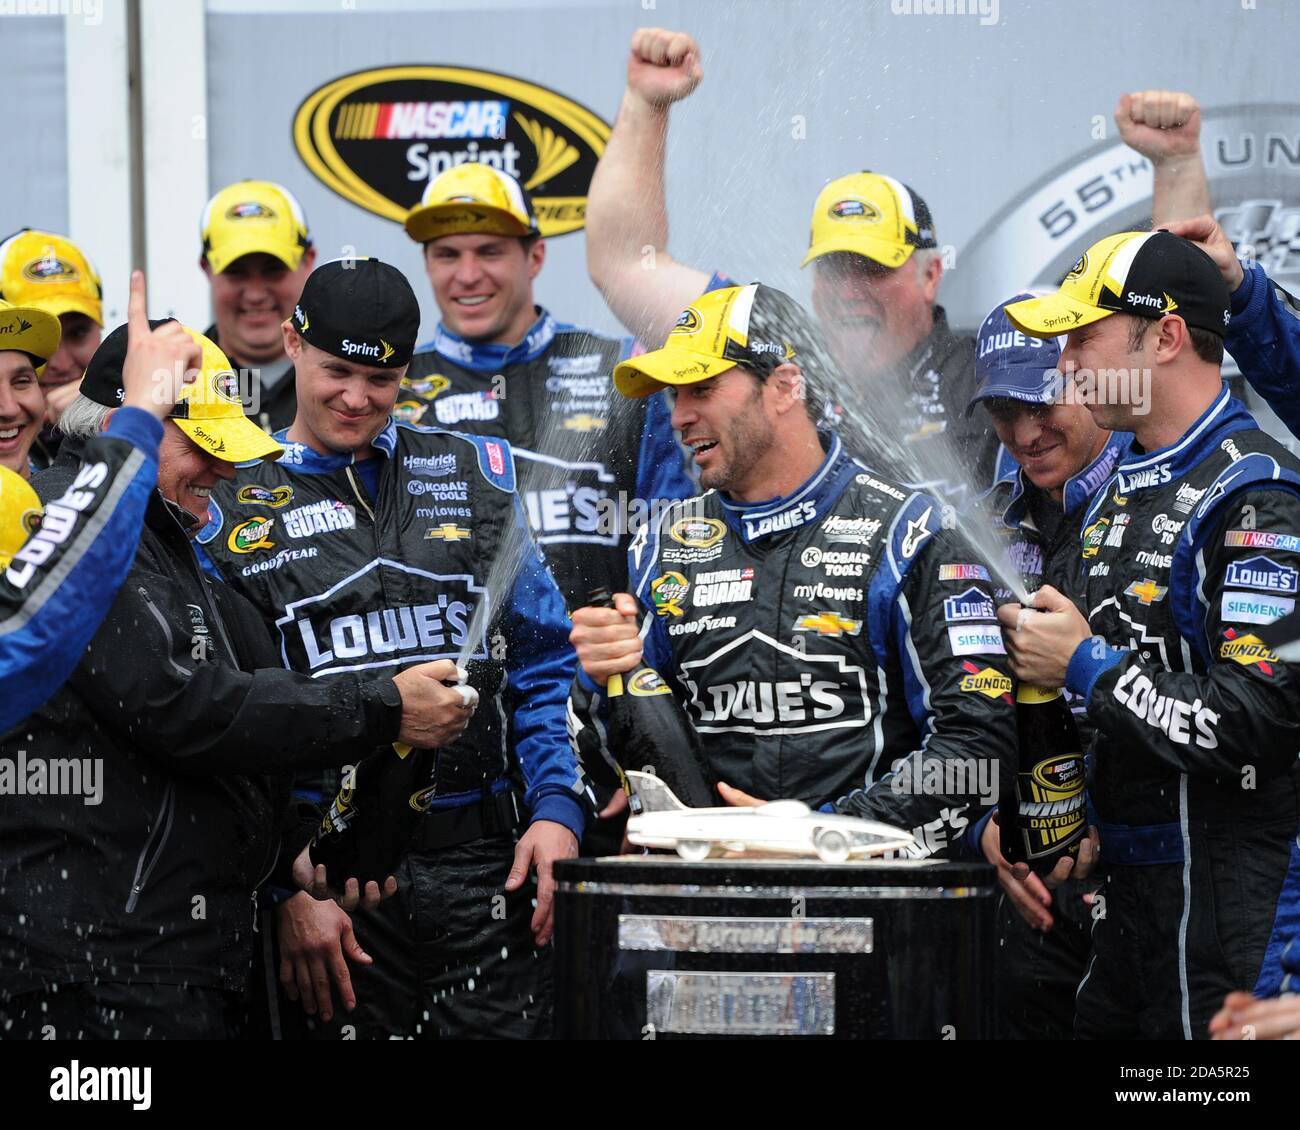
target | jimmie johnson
[{"x": 831, "y": 639}]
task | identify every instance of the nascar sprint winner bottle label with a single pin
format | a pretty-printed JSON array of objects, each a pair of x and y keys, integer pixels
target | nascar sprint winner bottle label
[{"x": 1044, "y": 815}]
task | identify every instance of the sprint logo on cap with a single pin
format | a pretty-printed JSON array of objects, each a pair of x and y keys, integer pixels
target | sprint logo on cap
[{"x": 381, "y": 352}]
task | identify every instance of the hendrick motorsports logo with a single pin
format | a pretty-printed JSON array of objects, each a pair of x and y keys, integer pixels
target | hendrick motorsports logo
[{"x": 378, "y": 137}]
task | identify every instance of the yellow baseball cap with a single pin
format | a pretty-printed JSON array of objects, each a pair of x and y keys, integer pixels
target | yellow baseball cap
[
  {"x": 48, "y": 271},
  {"x": 1146, "y": 274},
  {"x": 209, "y": 410},
  {"x": 755, "y": 326},
  {"x": 29, "y": 329},
  {"x": 252, "y": 216},
  {"x": 20, "y": 514},
  {"x": 872, "y": 215},
  {"x": 472, "y": 199}
]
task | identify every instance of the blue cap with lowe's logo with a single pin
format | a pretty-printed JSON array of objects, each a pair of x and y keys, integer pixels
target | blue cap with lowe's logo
[{"x": 1012, "y": 365}]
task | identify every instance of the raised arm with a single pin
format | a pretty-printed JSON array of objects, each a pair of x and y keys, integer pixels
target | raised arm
[
  {"x": 627, "y": 216},
  {"x": 1165, "y": 127}
]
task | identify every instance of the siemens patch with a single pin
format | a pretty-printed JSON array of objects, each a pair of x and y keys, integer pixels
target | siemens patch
[{"x": 1254, "y": 608}]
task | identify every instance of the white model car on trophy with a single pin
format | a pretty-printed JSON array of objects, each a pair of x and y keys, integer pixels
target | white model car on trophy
[{"x": 780, "y": 827}]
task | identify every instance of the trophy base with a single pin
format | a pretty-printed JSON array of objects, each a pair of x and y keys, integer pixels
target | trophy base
[{"x": 653, "y": 947}]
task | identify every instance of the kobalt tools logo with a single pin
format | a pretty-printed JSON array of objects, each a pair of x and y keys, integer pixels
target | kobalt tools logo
[
  {"x": 378, "y": 137},
  {"x": 808, "y": 692},
  {"x": 320, "y": 638}
]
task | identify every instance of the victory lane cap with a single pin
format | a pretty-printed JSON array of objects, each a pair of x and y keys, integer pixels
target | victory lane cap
[
  {"x": 872, "y": 215},
  {"x": 755, "y": 326},
  {"x": 252, "y": 216},
  {"x": 1147, "y": 274},
  {"x": 472, "y": 199},
  {"x": 20, "y": 514},
  {"x": 50, "y": 272},
  {"x": 1013, "y": 365},
  {"x": 29, "y": 330},
  {"x": 209, "y": 410},
  {"x": 361, "y": 310}
]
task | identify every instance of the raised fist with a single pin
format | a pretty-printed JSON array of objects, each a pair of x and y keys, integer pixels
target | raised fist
[
  {"x": 1159, "y": 124},
  {"x": 664, "y": 66}
]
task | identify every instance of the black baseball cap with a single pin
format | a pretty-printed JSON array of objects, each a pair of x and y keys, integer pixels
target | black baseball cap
[
  {"x": 1146, "y": 274},
  {"x": 361, "y": 310}
]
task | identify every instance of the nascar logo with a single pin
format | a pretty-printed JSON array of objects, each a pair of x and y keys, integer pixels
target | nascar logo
[
  {"x": 1261, "y": 539},
  {"x": 254, "y": 495},
  {"x": 249, "y": 210},
  {"x": 965, "y": 573}
]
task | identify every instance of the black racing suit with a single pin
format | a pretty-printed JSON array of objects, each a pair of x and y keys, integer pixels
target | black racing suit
[
  {"x": 355, "y": 582},
  {"x": 195, "y": 728},
  {"x": 1193, "y": 771},
  {"x": 836, "y": 646},
  {"x": 593, "y": 466},
  {"x": 1038, "y": 974}
]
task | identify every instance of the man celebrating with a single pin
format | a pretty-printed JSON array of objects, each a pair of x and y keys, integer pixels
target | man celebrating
[
  {"x": 590, "y": 468},
  {"x": 829, "y": 637},
  {"x": 51, "y": 273},
  {"x": 179, "y": 716},
  {"x": 1058, "y": 457},
  {"x": 257, "y": 255},
  {"x": 371, "y": 545},
  {"x": 1192, "y": 545},
  {"x": 62, "y": 579},
  {"x": 876, "y": 274}
]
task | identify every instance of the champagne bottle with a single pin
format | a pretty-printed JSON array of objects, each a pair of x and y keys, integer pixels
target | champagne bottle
[
  {"x": 648, "y": 730},
  {"x": 365, "y": 831},
  {"x": 1042, "y": 809}
]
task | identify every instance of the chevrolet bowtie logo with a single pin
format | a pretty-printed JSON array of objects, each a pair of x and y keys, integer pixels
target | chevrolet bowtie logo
[
  {"x": 584, "y": 422},
  {"x": 446, "y": 532},
  {"x": 1148, "y": 592},
  {"x": 828, "y": 624}
]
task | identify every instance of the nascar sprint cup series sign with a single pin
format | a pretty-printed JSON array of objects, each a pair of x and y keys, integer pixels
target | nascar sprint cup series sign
[{"x": 378, "y": 137}]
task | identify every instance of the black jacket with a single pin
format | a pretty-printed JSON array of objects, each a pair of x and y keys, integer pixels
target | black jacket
[
  {"x": 593, "y": 466},
  {"x": 837, "y": 646},
  {"x": 181, "y": 700}
]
